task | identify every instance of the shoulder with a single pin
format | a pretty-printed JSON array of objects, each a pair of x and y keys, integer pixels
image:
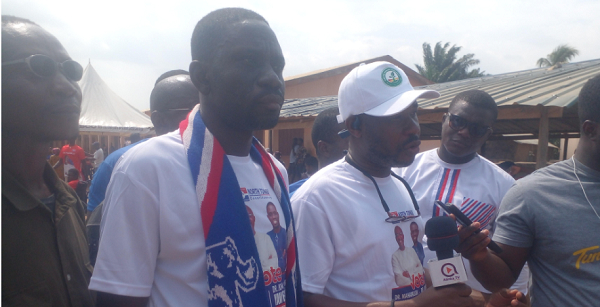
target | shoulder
[
  {"x": 498, "y": 173},
  {"x": 327, "y": 181},
  {"x": 422, "y": 160},
  {"x": 155, "y": 157},
  {"x": 547, "y": 175}
]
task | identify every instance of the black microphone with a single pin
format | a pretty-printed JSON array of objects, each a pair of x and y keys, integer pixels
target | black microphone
[{"x": 442, "y": 237}]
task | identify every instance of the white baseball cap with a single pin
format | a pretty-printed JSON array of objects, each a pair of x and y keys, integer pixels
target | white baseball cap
[{"x": 377, "y": 89}]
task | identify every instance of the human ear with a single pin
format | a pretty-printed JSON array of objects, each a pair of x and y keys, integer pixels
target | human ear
[
  {"x": 591, "y": 129},
  {"x": 323, "y": 148},
  {"x": 199, "y": 76}
]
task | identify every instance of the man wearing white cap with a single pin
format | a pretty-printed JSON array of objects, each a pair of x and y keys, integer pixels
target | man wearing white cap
[{"x": 346, "y": 214}]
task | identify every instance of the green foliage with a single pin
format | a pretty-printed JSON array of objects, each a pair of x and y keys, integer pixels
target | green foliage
[
  {"x": 560, "y": 55},
  {"x": 441, "y": 65}
]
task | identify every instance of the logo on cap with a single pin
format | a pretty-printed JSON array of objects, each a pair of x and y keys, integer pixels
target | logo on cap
[{"x": 391, "y": 77}]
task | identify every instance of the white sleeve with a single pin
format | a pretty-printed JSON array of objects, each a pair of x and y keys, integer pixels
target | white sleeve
[
  {"x": 129, "y": 239},
  {"x": 316, "y": 252}
]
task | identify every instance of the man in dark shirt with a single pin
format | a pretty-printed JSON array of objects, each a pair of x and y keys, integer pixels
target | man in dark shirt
[{"x": 44, "y": 250}]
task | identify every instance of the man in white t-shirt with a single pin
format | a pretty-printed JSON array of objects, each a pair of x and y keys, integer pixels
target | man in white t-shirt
[
  {"x": 166, "y": 234},
  {"x": 98, "y": 155},
  {"x": 347, "y": 212},
  {"x": 455, "y": 173}
]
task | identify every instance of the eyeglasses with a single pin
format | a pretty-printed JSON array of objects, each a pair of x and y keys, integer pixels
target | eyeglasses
[
  {"x": 458, "y": 123},
  {"x": 45, "y": 67},
  {"x": 393, "y": 217}
]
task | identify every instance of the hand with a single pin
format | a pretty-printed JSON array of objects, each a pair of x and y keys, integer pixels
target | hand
[
  {"x": 473, "y": 246},
  {"x": 405, "y": 274},
  {"x": 447, "y": 296},
  {"x": 507, "y": 297}
]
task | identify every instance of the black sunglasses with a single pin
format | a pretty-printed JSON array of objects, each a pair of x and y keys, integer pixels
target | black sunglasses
[
  {"x": 45, "y": 67},
  {"x": 458, "y": 123}
]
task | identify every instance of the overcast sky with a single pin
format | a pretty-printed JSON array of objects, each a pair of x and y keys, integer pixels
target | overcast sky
[{"x": 130, "y": 43}]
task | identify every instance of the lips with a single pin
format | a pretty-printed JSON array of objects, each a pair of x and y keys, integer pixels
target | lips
[
  {"x": 413, "y": 144},
  {"x": 271, "y": 101}
]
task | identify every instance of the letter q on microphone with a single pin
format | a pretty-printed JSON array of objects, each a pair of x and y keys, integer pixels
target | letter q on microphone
[{"x": 442, "y": 237}]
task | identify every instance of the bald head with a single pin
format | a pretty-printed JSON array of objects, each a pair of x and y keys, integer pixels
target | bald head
[
  {"x": 171, "y": 100},
  {"x": 44, "y": 107}
]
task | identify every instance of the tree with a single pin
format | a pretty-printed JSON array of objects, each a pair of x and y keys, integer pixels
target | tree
[
  {"x": 560, "y": 55},
  {"x": 441, "y": 65}
]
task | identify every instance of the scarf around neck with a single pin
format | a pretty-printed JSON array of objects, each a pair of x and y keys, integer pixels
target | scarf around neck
[{"x": 235, "y": 276}]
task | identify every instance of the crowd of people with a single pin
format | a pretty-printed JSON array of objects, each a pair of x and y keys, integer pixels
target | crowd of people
[{"x": 203, "y": 215}]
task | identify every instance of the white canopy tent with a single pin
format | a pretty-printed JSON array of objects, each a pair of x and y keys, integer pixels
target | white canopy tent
[{"x": 102, "y": 110}]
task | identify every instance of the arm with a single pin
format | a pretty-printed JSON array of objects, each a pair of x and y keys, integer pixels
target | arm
[
  {"x": 454, "y": 295},
  {"x": 113, "y": 300},
  {"x": 494, "y": 271}
]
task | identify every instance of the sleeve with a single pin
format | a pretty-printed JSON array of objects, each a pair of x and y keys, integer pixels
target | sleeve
[
  {"x": 316, "y": 252},
  {"x": 515, "y": 221},
  {"x": 129, "y": 238},
  {"x": 99, "y": 185},
  {"x": 61, "y": 154},
  {"x": 81, "y": 153}
]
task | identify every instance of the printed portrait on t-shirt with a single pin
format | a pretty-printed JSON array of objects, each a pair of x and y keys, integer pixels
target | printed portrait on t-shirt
[
  {"x": 416, "y": 245},
  {"x": 270, "y": 238},
  {"x": 406, "y": 264}
]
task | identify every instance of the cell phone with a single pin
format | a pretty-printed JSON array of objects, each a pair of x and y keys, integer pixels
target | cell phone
[{"x": 462, "y": 219}]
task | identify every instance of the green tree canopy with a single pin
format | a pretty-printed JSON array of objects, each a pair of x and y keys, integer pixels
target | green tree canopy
[
  {"x": 560, "y": 55},
  {"x": 441, "y": 65}
]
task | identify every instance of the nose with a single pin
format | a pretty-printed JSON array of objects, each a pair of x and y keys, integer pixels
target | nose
[
  {"x": 413, "y": 127},
  {"x": 464, "y": 132},
  {"x": 272, "y": 80},
  {"x": 65, "y": 87}
]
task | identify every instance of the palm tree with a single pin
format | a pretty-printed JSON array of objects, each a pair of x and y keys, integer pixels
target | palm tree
[
  {"x": 441, "y": 64},
  {"x": 561, "y": 54}
]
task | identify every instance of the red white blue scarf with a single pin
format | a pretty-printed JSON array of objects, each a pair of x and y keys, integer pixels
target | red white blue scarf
[{"x": 235, "y": 276}]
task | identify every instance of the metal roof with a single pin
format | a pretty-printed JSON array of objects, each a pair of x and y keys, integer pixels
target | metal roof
[{"x": 541, "y": 86}]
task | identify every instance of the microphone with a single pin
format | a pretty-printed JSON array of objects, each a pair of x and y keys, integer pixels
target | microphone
[{"x": 442, "y": 237}]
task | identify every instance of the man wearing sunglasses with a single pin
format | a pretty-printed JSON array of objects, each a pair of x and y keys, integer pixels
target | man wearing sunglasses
[
  {"x": 455, "y": 173},
  {"x": 44, "y": 249}
]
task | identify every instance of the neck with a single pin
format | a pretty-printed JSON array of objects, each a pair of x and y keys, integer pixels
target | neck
[
  {"x": 447, "y": 157},
  {"x": 368, "y": 166},
  {"x": 234, "y": 142},
  {"x": 585, "y": 155},
  {"x": 25, "y": 159},
  {"x": 277, "y": 229}
]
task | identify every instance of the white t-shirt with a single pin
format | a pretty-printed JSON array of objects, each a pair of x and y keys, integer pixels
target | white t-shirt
[
  {"x": 345, "y": 245},
  {"x": 477, "y": 187},
  {"x": 152, "y": 240},
  {"x": 98, "y": 157}
]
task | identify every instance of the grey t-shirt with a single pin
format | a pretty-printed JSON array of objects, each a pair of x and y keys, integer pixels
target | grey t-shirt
[{"x": 548, "y": 213}]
